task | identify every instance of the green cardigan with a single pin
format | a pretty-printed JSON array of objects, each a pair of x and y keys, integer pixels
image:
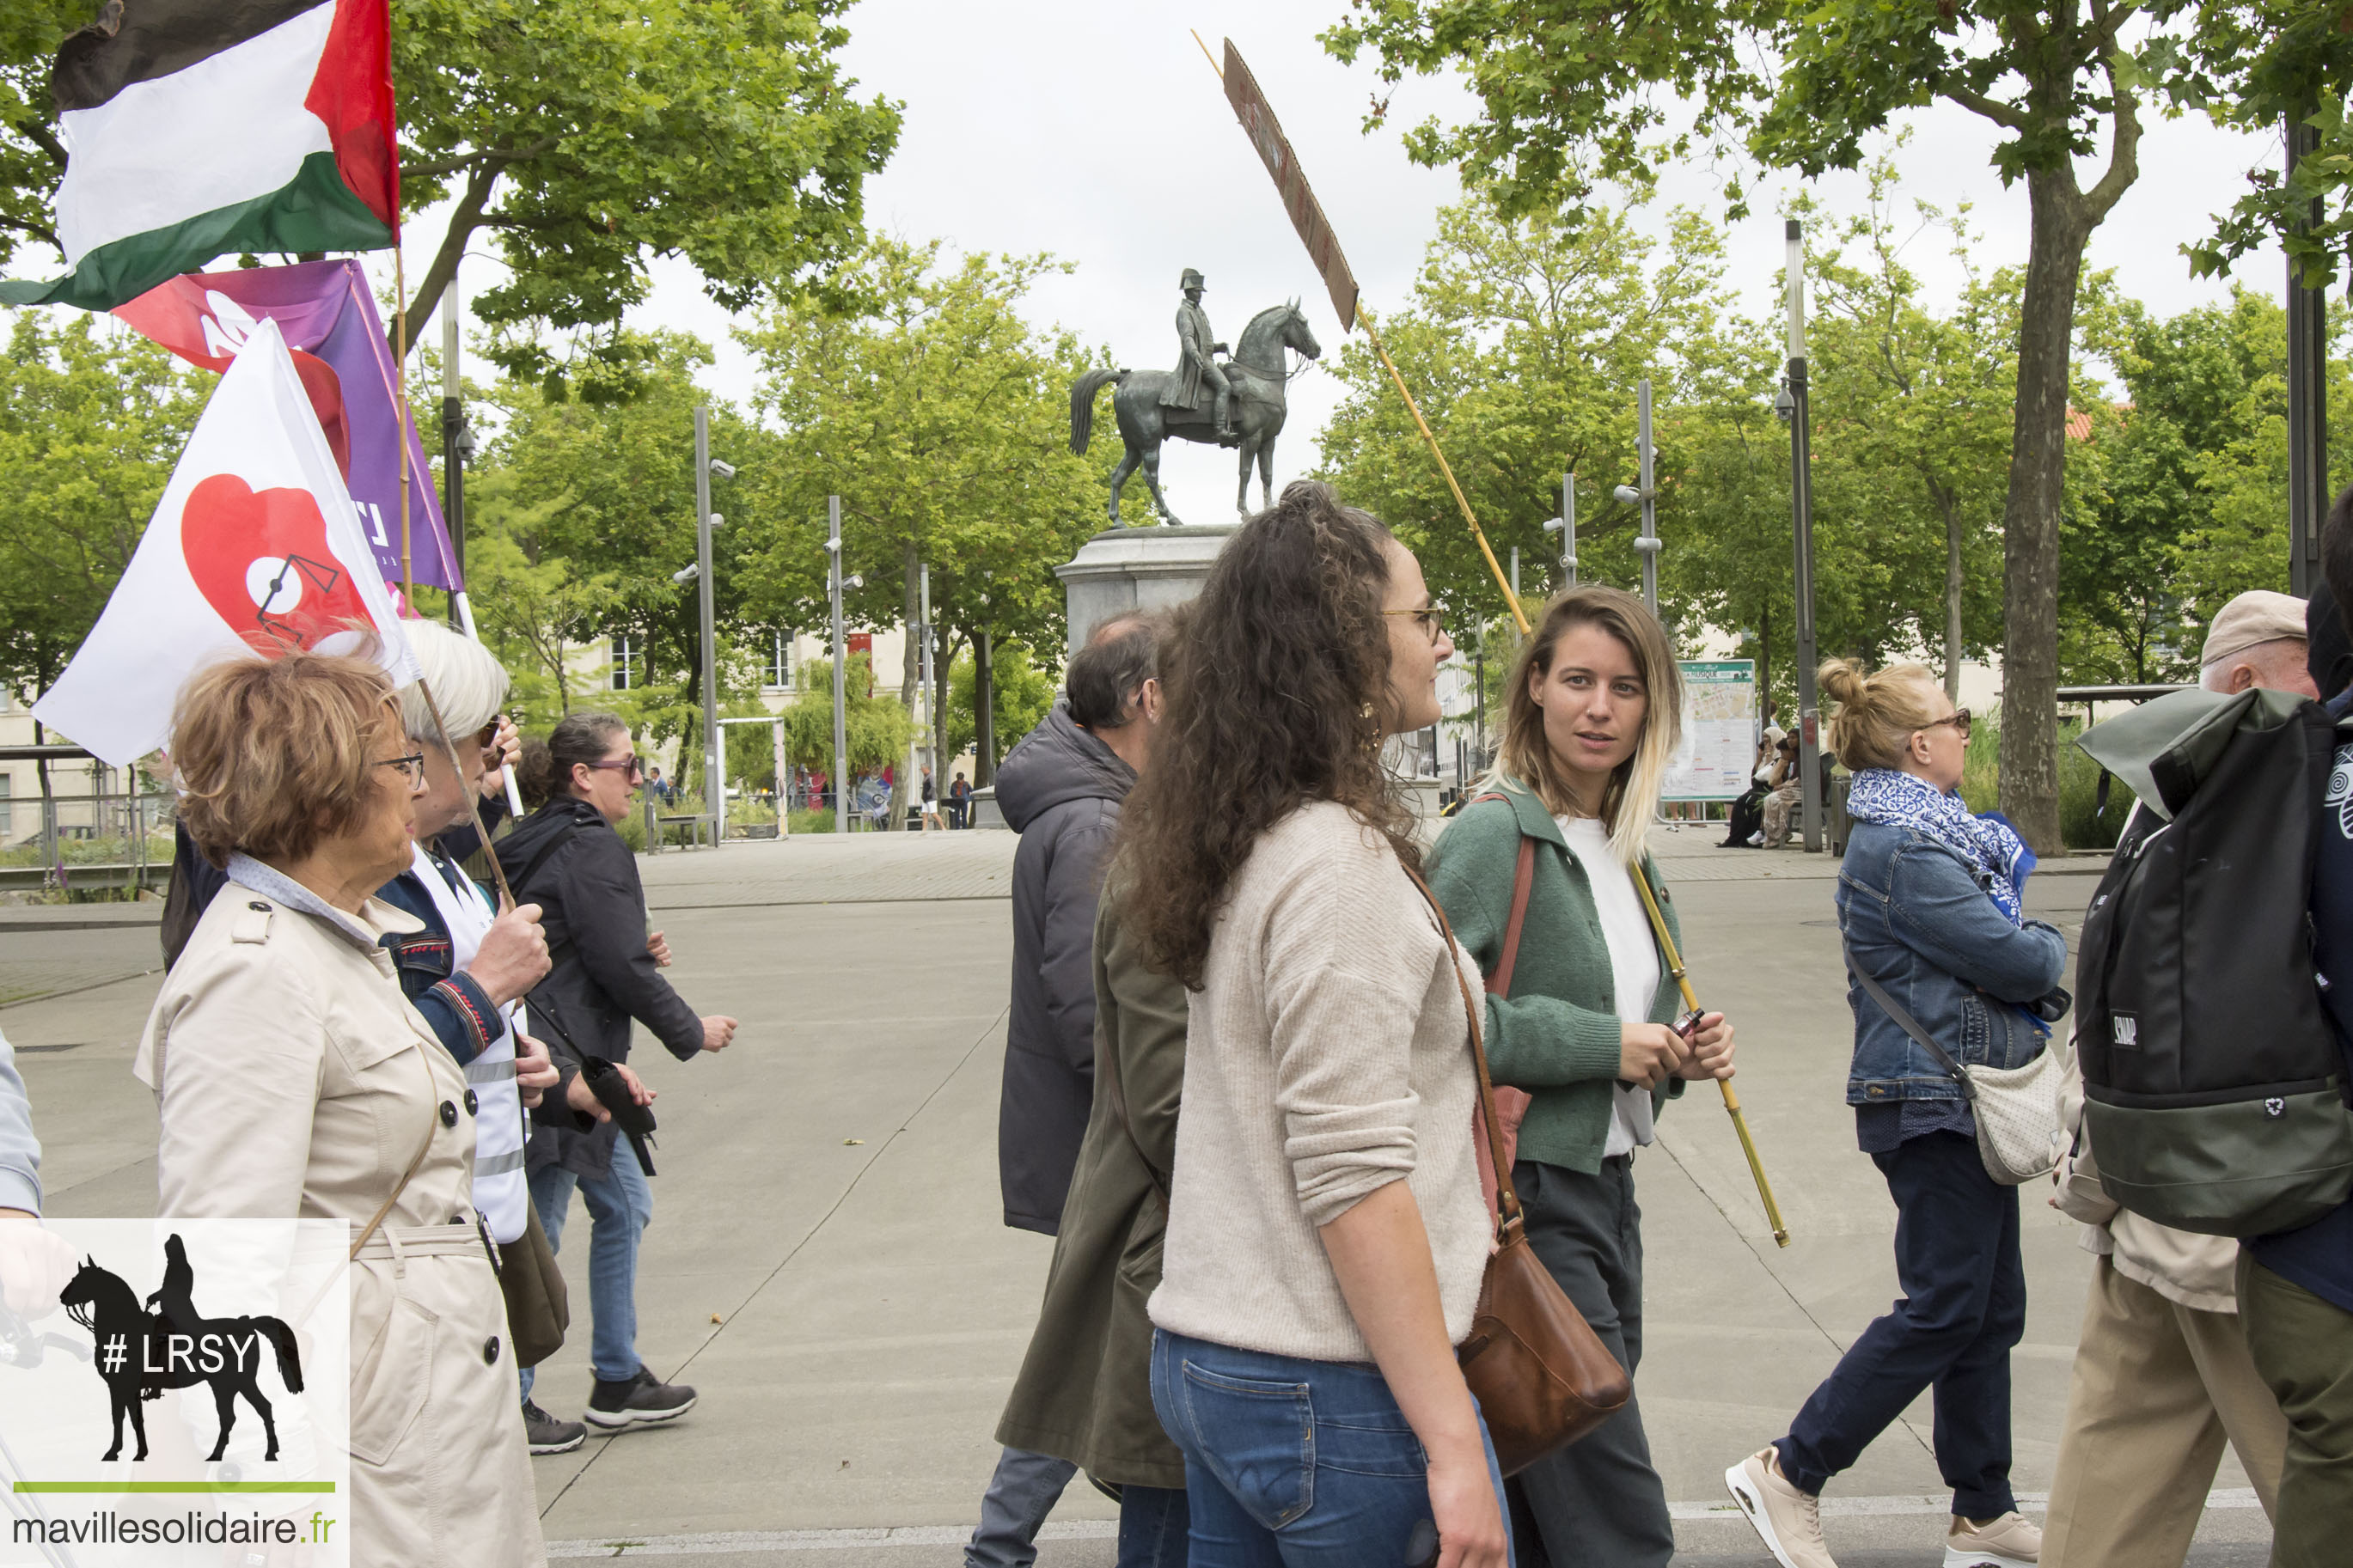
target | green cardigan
[{"x": 1557, "y": 1035}]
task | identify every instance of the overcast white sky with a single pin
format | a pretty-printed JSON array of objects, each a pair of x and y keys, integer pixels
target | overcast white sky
[{"x": 1098, "y": 132}]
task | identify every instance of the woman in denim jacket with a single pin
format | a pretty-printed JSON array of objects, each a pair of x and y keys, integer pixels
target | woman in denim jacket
[{"x": 1929, "y": 901}]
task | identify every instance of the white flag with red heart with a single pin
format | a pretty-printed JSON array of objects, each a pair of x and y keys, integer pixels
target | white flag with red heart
[{"x": 255, "y": 550}]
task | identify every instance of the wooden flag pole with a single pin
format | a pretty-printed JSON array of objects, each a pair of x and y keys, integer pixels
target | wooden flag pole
[
  {"x": 1511, "y": 599},
  {"x": 1519, "y": 617}
]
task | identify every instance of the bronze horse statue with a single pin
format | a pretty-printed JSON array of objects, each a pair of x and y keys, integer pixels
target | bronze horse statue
[{"x": 1257, "y": 370}]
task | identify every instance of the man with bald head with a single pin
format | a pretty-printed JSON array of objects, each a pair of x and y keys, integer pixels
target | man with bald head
[{"x": 2257, "y": 640}]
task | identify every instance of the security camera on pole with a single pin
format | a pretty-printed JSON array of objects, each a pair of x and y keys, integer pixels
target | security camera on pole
[
  {"x": 1647, "y": 496},
  {"x": 1565, "y": 526}
]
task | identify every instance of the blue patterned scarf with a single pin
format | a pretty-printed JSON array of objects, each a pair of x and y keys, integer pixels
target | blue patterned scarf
[{"x": 1989, "y": 844}]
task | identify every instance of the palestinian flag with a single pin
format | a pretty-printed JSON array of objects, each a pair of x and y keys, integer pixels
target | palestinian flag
[{"x": 200, "y": 128}]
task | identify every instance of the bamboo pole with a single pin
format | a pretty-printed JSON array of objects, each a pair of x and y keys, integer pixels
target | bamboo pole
[
  {"x": 1519, "y": 617},
  {"x": 1731, "y": 1100}
]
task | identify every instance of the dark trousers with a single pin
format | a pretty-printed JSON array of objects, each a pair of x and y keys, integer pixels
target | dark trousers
[
  {"x": 1964, "y": 1306},
  {"x": 1597, "y": 1503},
  {"x": 2303, "y": 1347}
]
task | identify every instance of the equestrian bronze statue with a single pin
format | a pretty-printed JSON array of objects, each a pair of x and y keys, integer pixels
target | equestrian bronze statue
[{"x": 1237, "y": 402}]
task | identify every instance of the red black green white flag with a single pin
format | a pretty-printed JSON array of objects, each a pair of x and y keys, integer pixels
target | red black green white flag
[{"x": 195, "y": 129}]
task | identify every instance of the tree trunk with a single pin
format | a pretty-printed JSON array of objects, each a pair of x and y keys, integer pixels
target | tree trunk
[
  {"x": 984, "y": 715},
  {"x": 1952, "y": 595},
  {"x": 2038, "y": 470}
]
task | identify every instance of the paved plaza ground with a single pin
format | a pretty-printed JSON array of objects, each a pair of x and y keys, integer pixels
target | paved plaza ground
[{"x": 828, "y": 1263}]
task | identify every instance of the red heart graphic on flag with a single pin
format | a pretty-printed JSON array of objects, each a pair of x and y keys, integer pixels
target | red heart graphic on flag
[{"x": 261, "y": 561}]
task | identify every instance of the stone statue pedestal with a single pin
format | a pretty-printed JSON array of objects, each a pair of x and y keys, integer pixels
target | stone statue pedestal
[{"x": 1147, "y": 568}]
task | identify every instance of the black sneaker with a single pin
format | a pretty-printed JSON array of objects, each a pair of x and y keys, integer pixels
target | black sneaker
[
  {"x": 636, "y": 1401},
  {"x": 549, "y": 1436}
]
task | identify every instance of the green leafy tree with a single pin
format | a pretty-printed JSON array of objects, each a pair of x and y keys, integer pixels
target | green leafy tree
[
  {"x": 1570, "y": 93},
  {"x": 1022, "y": 693},
  {"x": 585, "y": 506},
  {"x": 876, "y": 730},
  {"x": 582, "y": 138},
  {"x": 940, "y": 418}
]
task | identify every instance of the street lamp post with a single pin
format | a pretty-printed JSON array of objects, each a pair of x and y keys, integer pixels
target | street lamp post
[
  {"x": 457, "y": 446},
  {"x": 714, "y": 780},
  {"x": 2307, "y": 400},
  {"x": 841, "y": 728},
  {"x": 1801, "y": 507}
]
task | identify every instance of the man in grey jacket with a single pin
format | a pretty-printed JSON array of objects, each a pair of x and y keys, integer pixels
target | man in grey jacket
[{"x": 1060, "y": 789}]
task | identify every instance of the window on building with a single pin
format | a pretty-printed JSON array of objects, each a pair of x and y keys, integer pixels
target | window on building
[
  {"x": 7, "y": 810},
  {"x": 626, "y": 670},
  {"x": 778, "y": 674}
]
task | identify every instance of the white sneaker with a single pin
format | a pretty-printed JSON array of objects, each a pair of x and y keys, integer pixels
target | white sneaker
[
  {"x": 2010, "y": 1542},
  {"x": 1788, "y": 1521}
]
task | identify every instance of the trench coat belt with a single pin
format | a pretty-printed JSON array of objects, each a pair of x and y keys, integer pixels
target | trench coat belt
[{"x": 400, "y": 1243}]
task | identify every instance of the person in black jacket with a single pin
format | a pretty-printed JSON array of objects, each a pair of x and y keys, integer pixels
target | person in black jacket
[
  {"x": 1060, "y": 789},
  {"x": 566, "y": 858}
]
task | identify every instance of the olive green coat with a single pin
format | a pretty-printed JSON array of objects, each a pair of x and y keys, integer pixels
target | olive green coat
[
  {"x": 1085, "y": 1390},
  {"x": 1556, "y": 1034}
]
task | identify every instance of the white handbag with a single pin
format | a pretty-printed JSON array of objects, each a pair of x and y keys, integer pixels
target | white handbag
[{"x": 2016, "y": 1109}]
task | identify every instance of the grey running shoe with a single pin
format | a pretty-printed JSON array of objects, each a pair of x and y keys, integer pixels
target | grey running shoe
[
  {"x": 642, "y": 1400},
  {"x": 549, "y": 1436}
]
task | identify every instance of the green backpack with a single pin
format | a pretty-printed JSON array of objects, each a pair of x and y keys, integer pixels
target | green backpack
[{"x": 2214, "y": 1089}]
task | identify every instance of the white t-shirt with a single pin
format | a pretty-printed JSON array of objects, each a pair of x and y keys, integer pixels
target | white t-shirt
[{"x": 1633, "y": 965}]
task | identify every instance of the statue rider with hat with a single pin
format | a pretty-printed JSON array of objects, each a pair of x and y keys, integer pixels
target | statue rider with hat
[{"x": 1197, "y": 364}]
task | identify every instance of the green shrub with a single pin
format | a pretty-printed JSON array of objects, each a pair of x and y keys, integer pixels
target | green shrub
[{"x": 812, "y": 822}]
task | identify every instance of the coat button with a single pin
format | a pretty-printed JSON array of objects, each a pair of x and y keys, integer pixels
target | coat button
[
  {"x": 449, "y": 1114},
  {"x": 474, "y": 1106},
  {"x": 490, "y": 1351}
]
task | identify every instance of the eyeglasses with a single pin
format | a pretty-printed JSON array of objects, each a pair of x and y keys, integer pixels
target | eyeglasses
[
  {"x": 1427, "y": 617},
  {"x": 634, "y": 766},
  {"x": 412, "y": 764},
  {"x": 1958, "y": 719}
]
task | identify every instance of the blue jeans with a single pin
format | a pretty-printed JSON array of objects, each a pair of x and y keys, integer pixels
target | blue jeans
[
  {"x": 1964, "y": 1306},
  {"x": 1291, "y": 1463},
  {"x": 618, "y": 1208},
  {"x": 1154, "y": 1525}
]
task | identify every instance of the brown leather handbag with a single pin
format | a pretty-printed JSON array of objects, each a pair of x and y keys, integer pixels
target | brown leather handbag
[{"x": 1542, "y": 1376}]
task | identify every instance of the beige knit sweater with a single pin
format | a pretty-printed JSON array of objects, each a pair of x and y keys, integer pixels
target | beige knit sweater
[{"x": 1326, "y": 1055}]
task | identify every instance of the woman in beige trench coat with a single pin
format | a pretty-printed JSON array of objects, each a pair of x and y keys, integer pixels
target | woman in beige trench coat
[{"x": 294, "y": 1081}]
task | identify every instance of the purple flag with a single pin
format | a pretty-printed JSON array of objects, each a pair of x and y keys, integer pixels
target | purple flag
[{"x": 328, "y": 317}]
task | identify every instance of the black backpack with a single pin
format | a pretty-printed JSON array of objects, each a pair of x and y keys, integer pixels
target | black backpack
[{"x": 2214, "y": 1087}]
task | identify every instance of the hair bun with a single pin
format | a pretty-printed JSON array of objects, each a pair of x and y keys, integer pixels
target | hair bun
[
  {"x": 1842, "y": 683},
  {"x": 535, "y": 772}
]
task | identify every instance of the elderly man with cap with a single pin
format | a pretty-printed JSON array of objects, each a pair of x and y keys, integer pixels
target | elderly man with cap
[
  {"x": 2163, "y": 1374},
  {"x": 2257, "y": 639}
]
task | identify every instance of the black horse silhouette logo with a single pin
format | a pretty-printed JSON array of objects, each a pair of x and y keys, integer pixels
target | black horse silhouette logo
[{"x": 142, "y": 1354}]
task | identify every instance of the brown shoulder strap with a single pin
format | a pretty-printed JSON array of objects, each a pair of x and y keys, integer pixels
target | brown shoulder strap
[
  {"x": 1524, "y": 876},
  {"x": 1507, "y": 1201}
]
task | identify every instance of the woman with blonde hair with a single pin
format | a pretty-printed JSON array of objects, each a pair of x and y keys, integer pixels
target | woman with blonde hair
[
  {"x": 1539, "y": 876},
  {"x": 1930, "y": 905},
  {"x": 1325, "y": 1239}
]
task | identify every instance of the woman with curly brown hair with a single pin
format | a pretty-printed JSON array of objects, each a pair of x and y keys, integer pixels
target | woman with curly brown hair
[{"x": 1326, "y": 1234}]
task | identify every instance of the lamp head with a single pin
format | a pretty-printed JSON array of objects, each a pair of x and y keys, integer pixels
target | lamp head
[
  {"x": 722, "y": 469},
  {"x": 1629, "y": 495},
  {"x": 688, "y": 575}
]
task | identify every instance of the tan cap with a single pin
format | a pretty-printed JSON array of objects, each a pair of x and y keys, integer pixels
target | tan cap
[{"x": 2257, "y": 616}]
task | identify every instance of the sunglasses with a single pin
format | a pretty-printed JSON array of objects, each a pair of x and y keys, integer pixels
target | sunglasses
[
  {"x": 634, "y": 766},
  {"x": 1958, "y": 719}
]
